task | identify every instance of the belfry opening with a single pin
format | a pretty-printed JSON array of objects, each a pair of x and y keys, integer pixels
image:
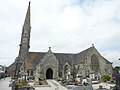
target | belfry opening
[{"x": 49, "y": 74}]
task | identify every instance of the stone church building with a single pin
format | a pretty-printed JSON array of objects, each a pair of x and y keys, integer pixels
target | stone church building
[{"x": 52, "y": 65}]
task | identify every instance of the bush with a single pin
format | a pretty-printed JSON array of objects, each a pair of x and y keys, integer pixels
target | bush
[
  {"x": 106, "y": 78},
  {"x": 20, "y": 83}
]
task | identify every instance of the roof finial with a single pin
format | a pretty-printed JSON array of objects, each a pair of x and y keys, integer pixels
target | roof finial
[
  {"x": 92, "y": 44},
  {"x": 49, "y": 48}
]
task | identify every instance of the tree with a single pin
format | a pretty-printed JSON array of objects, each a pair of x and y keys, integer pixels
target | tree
[{"x": 116, "y": 69}]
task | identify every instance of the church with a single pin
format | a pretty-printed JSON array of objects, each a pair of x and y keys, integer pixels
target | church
[{"x": 51, "y": 65}]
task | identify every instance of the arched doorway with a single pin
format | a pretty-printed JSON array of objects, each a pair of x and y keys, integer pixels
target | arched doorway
[{"x": 49, "y": 74}]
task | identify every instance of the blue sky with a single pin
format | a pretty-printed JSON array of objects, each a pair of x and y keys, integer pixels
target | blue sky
[{"x": 68, "y": 26}]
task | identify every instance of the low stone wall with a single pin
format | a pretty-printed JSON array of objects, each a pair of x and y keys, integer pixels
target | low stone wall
[
  {"x": 26, "y": 88},
  {"x": 42, "y": 85}
]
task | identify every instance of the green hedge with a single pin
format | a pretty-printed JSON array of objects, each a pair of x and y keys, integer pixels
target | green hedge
[{"x": 106, "y": 78}]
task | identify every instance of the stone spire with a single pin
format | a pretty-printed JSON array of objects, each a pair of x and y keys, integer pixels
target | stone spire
[
  {"x": 25, "y": 36},
  {"x": 24, "y": 45}
]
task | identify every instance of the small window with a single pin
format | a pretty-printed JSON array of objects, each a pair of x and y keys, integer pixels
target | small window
[
  {"x": 28, "y": 73},
  {"x": 31, "y": 73}
]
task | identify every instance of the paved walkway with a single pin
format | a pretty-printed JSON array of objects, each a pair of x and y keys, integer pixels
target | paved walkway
[
  {"x": 105, "y": 85},
  {"x": 54, "y": 86},
  {"x": 4, "y": 84}
]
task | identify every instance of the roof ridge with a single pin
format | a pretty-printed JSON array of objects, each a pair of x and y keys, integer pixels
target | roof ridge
[
  {"x": 65, "y": 52},
  {"x": 85, "y": 50}
]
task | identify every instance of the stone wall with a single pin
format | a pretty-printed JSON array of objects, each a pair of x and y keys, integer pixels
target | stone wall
[{"x": 49, "y": 61}]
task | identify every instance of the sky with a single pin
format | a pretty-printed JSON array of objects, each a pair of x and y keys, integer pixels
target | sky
[{"x": 67, "y": 26}]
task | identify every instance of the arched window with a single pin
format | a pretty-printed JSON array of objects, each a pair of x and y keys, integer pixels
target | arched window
[
  {"x": 66, "y": 69},
  {"x": 94, "y": 63}
]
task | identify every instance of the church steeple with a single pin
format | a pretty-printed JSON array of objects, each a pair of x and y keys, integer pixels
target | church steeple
[
  {"x": 27, "y": 18},
  {"x": 25, "y": 36}
]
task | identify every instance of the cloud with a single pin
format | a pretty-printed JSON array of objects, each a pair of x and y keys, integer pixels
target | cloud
[
  {"x": 113, "y": 56},
  {"x": 66, "y": 25}
]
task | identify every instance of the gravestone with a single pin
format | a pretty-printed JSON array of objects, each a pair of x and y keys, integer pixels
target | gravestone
[{"x": 37, "y": 76}]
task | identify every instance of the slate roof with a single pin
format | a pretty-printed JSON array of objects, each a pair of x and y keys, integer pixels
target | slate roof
[
  {"x": 64, "y": 57},
  {"x": 61, "y": 57},
  {"x": 36, "y": 57},
  {"x": 80, "y": 57}
]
